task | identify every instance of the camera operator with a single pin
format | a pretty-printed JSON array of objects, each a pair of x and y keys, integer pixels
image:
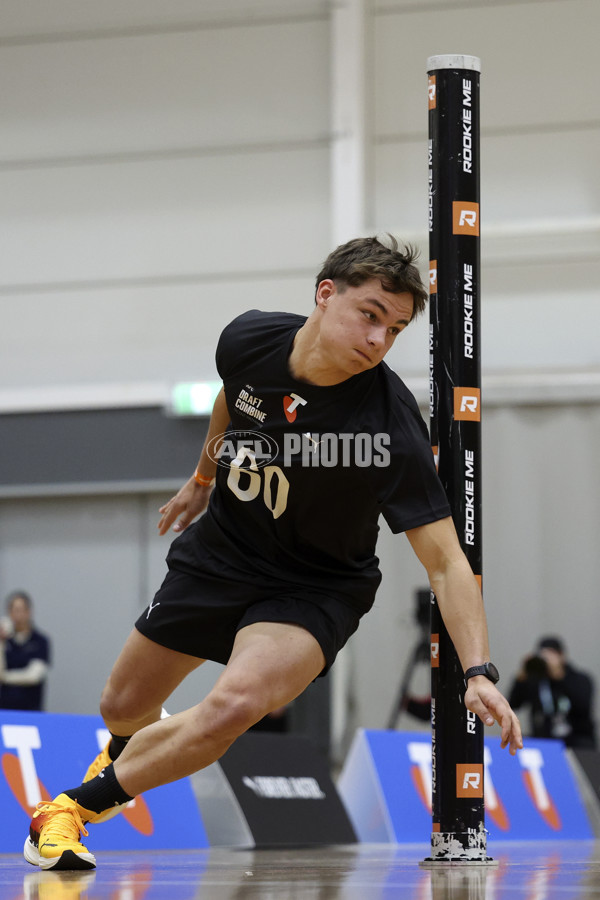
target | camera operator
[{"x": 559, "y": 696}]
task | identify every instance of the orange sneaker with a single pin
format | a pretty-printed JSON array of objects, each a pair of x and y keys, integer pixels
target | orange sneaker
[{"x": 54, "y": 833}]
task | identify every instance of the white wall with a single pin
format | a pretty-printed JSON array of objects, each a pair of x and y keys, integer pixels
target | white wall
[
  {"x": 154, "y": 185},
  {"x": 165, "y": 166}
]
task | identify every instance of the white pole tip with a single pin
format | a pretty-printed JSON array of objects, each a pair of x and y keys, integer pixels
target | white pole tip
[{"x": 454, "y": 61}]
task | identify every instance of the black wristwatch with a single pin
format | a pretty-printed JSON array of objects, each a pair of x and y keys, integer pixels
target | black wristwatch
[{"x": 488, "y": 669}]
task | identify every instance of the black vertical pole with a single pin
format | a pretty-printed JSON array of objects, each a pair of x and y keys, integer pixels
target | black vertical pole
[{"x": 458, "y": 827}]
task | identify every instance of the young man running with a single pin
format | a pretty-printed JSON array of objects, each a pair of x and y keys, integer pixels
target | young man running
[{"x": 311, "y": 439}]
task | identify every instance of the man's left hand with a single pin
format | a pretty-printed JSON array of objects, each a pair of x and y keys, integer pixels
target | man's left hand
[{"x": 485, "y": 700}]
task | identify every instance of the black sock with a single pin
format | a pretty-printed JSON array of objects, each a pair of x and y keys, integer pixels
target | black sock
[
  {"x": 117, "y": 745},
  {"x": 102, "y": 792}
]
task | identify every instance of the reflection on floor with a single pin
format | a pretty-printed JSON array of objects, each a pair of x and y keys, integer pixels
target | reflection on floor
[{"x": 524, "y": 871}]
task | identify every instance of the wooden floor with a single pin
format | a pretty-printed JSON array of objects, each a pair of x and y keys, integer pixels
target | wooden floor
[{"x": 524, "y": 871}]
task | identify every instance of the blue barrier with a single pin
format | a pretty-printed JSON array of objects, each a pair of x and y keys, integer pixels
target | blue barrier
[
  {"x": 43, "y": 754},
  {"x": 386, "y": 787}
]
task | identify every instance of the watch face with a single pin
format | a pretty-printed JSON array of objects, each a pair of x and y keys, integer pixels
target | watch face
[{"x": 492, "y": 672}]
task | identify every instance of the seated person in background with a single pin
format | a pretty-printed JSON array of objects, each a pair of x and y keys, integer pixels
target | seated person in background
[
  {"x": 24, "y": 656},
  {"x": 559, "y": 696}
]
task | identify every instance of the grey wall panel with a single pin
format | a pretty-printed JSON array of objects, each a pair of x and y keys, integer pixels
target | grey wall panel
[
  {"x": 91, "y": 565},
  {"x": 103, "y": 447},
  {"x": 79, "y": 558},
  {"x": 224, "y": 213},
  {"x": 529, "y": 55},
  {"x": 36, "y": 18},
  {"x": 164, "y": 92},
  {"x": 541, "y": 316},
  {"x": 156, "y": 333}
]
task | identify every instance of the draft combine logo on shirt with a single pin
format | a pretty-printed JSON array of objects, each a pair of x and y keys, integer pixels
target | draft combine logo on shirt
[{"x": 250, "y": 405}]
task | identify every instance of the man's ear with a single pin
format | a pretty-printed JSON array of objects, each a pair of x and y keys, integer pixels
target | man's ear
[{"x": 325, "y": 291}]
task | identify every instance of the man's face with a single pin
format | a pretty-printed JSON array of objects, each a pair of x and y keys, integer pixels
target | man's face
[
  {"x": 555, "y": 660},
  {"x": 20, "y": 614},
  {"x": 360, "y": 324}
]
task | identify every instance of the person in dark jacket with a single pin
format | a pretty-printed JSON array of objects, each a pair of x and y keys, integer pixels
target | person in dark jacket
[
  {"x": 560, "y": 697},
  {"x": 24, "y": 656}
]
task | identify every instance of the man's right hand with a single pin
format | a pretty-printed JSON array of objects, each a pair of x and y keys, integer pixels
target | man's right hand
[{"x": 188, "y": 502}]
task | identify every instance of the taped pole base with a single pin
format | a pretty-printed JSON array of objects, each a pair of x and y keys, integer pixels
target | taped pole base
[{"x": 453, "y": 849}]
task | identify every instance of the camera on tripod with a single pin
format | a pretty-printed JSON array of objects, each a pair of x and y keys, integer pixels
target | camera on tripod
[
  {"x": 423, "y": 607},
  {"x": 536, "y": 668},
  {"x": 420, "y": 654}
]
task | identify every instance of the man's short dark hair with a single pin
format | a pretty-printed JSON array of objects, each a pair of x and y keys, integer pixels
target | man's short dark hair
[
  {"x": 19, "y": 595},
  {"x": 551, "y": 643},
  {"x": 361, "y": 259}
]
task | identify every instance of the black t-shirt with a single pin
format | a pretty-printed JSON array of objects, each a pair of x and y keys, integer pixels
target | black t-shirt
[{"x": 314, "y": 468}]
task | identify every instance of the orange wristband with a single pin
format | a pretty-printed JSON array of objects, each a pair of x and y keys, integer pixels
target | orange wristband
[{"x": 202, "y": 480}]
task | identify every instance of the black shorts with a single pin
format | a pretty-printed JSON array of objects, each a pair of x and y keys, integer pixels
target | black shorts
[{"x": 201, "y": 614}]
